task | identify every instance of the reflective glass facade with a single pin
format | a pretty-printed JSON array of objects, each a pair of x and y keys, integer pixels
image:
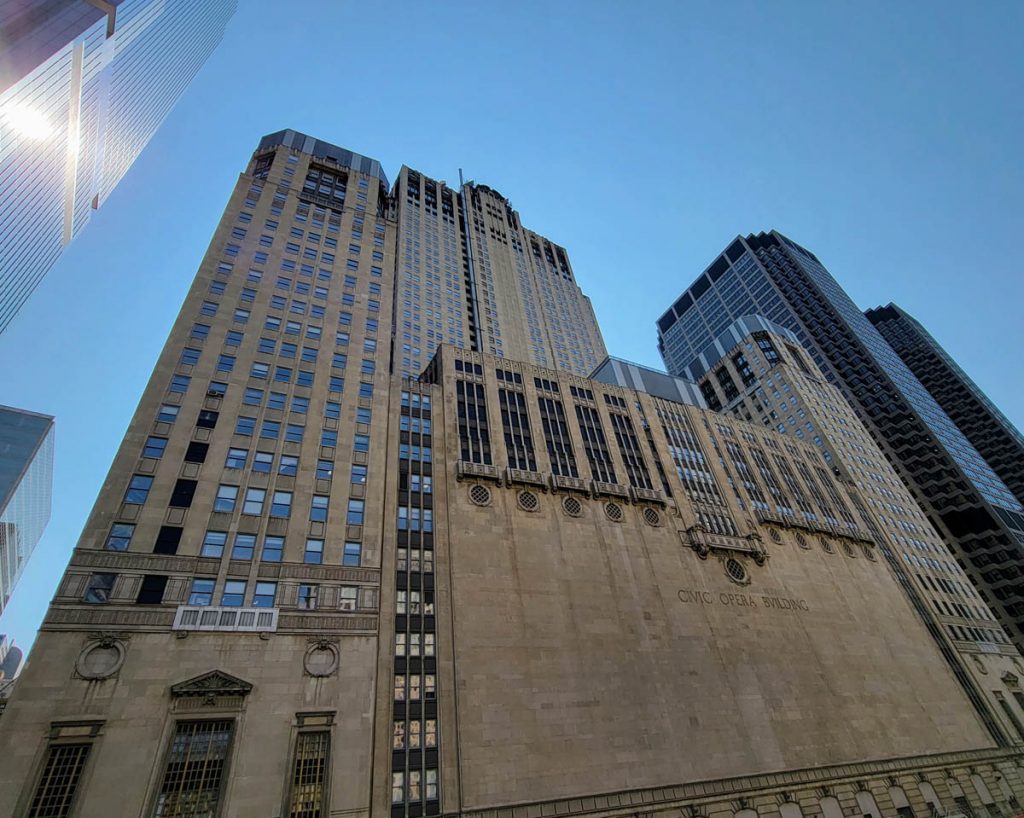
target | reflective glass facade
[
  {"x": 770, "y": 275},
  {"x": 72, "y": 126},
  {"x": 31, "y": 33},
  {"x": 26, "y": 481},
  {"x": 987, "y": 428}
]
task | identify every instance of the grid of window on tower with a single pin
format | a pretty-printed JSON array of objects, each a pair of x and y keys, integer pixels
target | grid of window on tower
[
  {"x": 485, "y": 292},
  {"x": 414, "y": 753},
  {"x": 431, "y": 306},
  {"x": 560, "y": 301},
  {"x": 291, "y": 359}
]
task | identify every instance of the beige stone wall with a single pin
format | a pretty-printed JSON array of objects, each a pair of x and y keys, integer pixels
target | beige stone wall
[
  {"x": 994, "y": 665},
  {"x": 583, "y": 665},
  {"x": 593, "y": 656},
  {"x": 137, "y": 710}
]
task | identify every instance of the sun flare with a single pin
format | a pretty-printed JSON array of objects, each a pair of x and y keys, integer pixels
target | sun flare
[{"x": 26, "y": 121}]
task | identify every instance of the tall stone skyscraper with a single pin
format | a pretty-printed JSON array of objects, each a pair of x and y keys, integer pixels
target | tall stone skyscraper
[
  {"x": 988, "y": 429},
  {"x": 963, "y": 498},
  {"x": 83, "y": 88},
  {"x": 26, "y": 486},
  {"x": 469, "y": 273},
  {"x": 314, "y": 585}
]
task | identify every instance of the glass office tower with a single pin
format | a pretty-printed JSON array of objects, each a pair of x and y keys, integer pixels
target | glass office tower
[
  {"x": 988, "y": 429},
  {"x": 72, "y": 125},
  {"x": 26, "y": 481},
  {"x": 964, "y": 499}
]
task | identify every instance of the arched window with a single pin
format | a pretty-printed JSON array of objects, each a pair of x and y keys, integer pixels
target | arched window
[
  {"x": 830, "y": 808},
  {"x": 931, "y": 798},
  {"x": 982, "y": 789},
  {"x": 791, "y": 810},
  {"x": 899, "y": 800},
  {"x": 746, "y": 813},
  {"x": 868, "y": 807},
  {"x": 1008, "y": 796}
]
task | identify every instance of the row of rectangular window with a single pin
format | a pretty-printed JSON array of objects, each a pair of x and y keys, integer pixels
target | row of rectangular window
[
  {"x": 193, "y": 780},
  {"x": 243, "y": 547},
  {"x": 180, "y": 385}
]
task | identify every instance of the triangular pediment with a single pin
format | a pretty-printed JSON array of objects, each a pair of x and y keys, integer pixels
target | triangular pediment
[
  {"x": 1010, "y": 679},
  {"x": 214, "y": 683}
]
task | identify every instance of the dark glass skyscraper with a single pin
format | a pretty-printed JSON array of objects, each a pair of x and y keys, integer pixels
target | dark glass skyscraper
[
  {"x": 769, "y": 275},
  {"x": 988, "y": 429},
  {"x": 83, "y": 92}
]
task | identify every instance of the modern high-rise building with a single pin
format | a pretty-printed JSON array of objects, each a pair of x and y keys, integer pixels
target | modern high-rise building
[
  {"x": 26, "y": 486},
  {"x": 11, "y": 661},
  {"x": 83, "y": 88},
  {"x": 11, "y": 658},
  {"x": 313, "y": 585},
  {"x": 963, "y": 498},
  {"x": 988, "y": 429}
]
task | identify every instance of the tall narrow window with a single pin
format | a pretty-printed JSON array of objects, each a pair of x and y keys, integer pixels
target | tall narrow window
[
  {"x": 556, "y": 437},
  {"x": 309, "y": 775},
  {"x": 516, "y": 427},
  {"x": 631, "y": 452},
  {"x": 595, "y": 445},
  {"x": 55, "y": 794},
  {"x": 194, "y": 776},
  {"x": 474, "y": 437}
]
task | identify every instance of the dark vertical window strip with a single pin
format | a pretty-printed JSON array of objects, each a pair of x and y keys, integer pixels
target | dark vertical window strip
[
  {"x": 415, "y": 781},
  {"x": 746, "y": 475},
  {"x": 474, "y": 437},
  {"x": 556, "y": 437},
  {"x": 595, "y": 444},
  {"x": 819, "y": 498},
  {"x": 516, "y": 428},
  {"x": 794, "y": 487},
  {"x": 629, "y": 446},
  {"x": 782, "y": 503}
]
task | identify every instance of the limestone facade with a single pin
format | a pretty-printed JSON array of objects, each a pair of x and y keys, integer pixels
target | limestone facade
[{"x": 313, "y": 587}]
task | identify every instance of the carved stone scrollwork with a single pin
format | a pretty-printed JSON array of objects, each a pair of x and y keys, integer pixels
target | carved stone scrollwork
[{"x": 695, "y": 538}]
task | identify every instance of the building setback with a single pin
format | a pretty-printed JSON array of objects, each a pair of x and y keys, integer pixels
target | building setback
[
  {"x": 26, "y": 486},
  {"x": 988, "y": 429},
  {"x": 84, "y": 91},
  {"x": 970, "y": 507},
  {"x": 314, "y": 586}
]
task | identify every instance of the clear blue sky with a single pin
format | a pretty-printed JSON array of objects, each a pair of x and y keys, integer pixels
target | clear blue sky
[{"x": 643, "y": 136}]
